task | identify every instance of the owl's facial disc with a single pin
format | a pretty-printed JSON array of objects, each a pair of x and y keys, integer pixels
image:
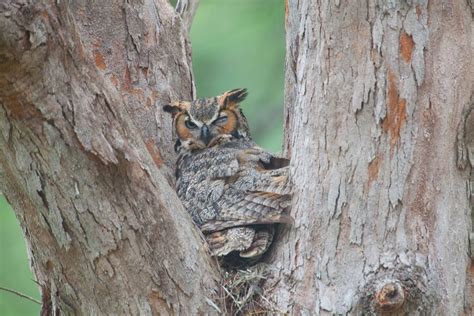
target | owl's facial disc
[
  {"x": 195, "y": 133},
  {"x": 209, "y": 122}
]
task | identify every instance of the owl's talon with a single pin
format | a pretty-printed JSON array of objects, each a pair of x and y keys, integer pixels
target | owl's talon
[
  {"x": 254, "y": 250},
  {"x": 260, "y": 244}
]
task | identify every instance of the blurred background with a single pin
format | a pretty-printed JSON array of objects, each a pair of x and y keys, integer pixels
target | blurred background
[
  {"x": 235, "y": 44},
  {"x": 241, "y": 44}
]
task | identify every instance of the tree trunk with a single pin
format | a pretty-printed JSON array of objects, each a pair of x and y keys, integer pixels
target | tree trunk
[
  {"x": 378, "y": 127},
  {"x": 376, "y": 99},
  {"x": 86, "y": 155}
]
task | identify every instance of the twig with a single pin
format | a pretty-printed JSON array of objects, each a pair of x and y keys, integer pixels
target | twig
[
  {"x": 20, "y": 294},
  {"x": 212, "y": 304},
  {"x": 187, "y": 9}
]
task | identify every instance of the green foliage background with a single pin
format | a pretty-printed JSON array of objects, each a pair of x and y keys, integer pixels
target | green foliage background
[
  {"x": 14, "y": 268},
  {"x": 236, "y": 44},
  {"x": 241, "y": 44}
]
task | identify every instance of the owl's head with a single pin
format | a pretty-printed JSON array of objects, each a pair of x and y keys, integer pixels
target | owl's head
[{"x": 208, "y": 122}]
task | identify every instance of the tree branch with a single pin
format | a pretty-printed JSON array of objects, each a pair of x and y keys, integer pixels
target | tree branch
[
  {"x": 187, "y": 9},
  {"x": 20, "y": 294}
]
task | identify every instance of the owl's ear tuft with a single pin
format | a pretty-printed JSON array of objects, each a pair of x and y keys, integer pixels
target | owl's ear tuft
[
  {"x": 232, "y": 98},
  {"x": 170, "y": 108},
  {"x": 176, "y": 107}
]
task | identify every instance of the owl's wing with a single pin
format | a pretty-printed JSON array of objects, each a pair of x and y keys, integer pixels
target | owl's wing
[
  {"x": 263, "y": 203},
  {"x": 265, "y": 159},
  {"x": 227, "y": 165},
  {"x": 257, "y": 190},
  {"x": 224, "y": 224}
]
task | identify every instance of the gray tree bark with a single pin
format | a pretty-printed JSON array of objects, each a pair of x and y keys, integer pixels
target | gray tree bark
[
  {"x": 86, "y": 155},
  {"x": 378, "y": 126},
  {"x": 377, "y": 96}
]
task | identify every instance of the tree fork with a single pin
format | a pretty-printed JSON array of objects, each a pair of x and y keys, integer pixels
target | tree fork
[{"x": 373, "y": 97}]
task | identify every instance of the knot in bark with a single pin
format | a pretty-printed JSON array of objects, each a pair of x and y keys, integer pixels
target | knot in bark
[{"x": 390, "y": 297}]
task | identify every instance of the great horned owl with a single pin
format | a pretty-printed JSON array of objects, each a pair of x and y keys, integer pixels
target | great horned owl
[{"x": 234, "y": 190}]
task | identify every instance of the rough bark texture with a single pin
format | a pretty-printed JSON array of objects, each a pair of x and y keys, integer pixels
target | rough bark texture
[
  {"x": 375, "y": 93},
  {"x": 86, "y": 152},
  {"x": 378, "y": 126}
]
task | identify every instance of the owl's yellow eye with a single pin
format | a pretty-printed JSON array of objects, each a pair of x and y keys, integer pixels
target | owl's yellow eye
[
  {"x": 189, "y": 124},
  {"x": 220, "y": 120}
]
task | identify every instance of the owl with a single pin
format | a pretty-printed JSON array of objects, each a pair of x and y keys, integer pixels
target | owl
[{"x": 234, "y": 190}]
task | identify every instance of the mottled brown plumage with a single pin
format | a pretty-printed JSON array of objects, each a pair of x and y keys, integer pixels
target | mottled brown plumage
[{"x": 234, "y": 190}]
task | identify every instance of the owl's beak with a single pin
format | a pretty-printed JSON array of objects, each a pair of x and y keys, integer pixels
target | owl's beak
[{"x": 205, "y": 134}]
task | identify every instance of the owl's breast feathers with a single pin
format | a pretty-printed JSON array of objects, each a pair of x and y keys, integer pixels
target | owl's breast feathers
[{"x": 234, "y": 184}]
